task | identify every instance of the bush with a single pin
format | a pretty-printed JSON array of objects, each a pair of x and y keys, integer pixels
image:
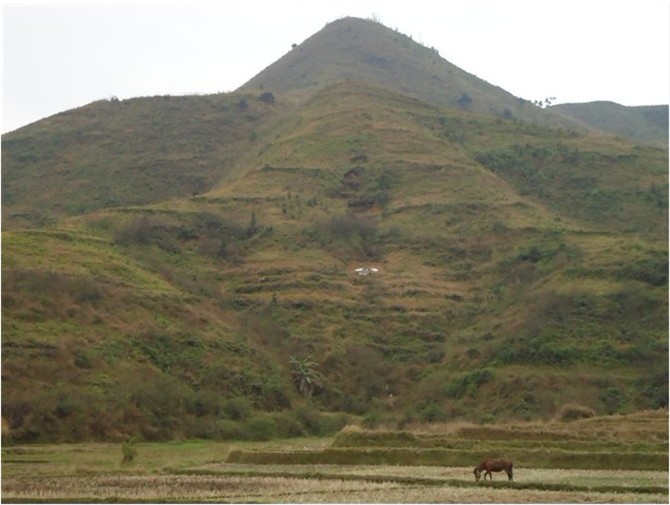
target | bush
[
  {"x": 310, "y": 419},
  {"x": 48, "y": 286},
  {"x": 371, "y": 420},
  {"x": 354, "y": 234},
  {"x": 468, "y": 383},
  {"x": 546, "y": 349},
  {"x": 138, "y": 232},
  {"x": 333, "y": 422},
  {"x": 237, "y": 409},
  {"x": 229, "y": 430},
  {"x": 128, "y": 450},
  {"x": 267, "y": 97},
  {"x": 204, "y": 403},
  {"x": 612, "y": 398},
  {"x": 433, "y": 412},
  {"x": 573, "y": 411},
  {"x": 261, "y": 427},
  {"x": 653, "y": 390},
  {"x": 287, "y": 425}
]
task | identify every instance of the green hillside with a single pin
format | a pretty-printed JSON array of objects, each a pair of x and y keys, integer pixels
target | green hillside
[
  {"x": 518, "y": 268},
  {"x": 352, "y": 49},
  {"x": 124, "y": 152},
  {"x": 645, "y": 124}
]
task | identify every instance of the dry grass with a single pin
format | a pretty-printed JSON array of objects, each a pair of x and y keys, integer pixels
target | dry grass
[
  {"x": 644, "y": 425},
  {"x": 622, "y": 478},
  {"x": 196, "y": 472},
  {"x": 180, "y": 487},
  {"x": 241, "y": 489}
]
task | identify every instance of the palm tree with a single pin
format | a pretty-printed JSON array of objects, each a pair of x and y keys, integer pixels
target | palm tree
[{"x": 306, "y": 374}]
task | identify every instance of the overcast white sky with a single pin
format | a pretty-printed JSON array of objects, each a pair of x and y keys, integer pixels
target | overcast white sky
[{"x": 57, "y": 57}]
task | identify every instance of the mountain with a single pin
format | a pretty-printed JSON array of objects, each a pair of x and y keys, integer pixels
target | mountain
[
  {"x": 280, "y": 261},
  {"x": 365, "y": 51},
  {"x": 645, "y": 124},
  {"x": 124, "y": 152}
]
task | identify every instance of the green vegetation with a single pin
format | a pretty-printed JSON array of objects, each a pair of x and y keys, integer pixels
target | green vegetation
[
  {"x": 450, "y": 457},
  {"x": 306, "y": 375},
  {"x": 128, "y": 450},
  {"x": 189, "y": 268},
  {"x": 388, "y": 59},
  {"x": 645, "y": 124},
  {"x": 120, "y": 153},
  {"x": 577, "y": 440}
]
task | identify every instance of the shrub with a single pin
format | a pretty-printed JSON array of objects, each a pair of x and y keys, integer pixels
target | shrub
[
  {"x": 468, "y": 383},
  {"x": 204, "y": 403},
  {"x": 333, "y": 422},
  {"x": 237, "y": 409},
  {"x": 261, "y": 427},
  {"x": 433, "y": 412},
  {"x": 48, "y": 286},
  {"x": 573, "y": 411},
  {"x": 309, "y": 419},
  {"x": 267, "y": 97},
  {"x": 464, "y": 101},
  {"x": 128, "y": 450},
  {"x": 138, "y": 232},
  {"x": 287, "y": 425},
  {"x": 612, "y": 398},
  {"x": 653, "y": 390},
  {"x": 354, "y": 234},
  {"x": 548, "y": 349},
  {"x": 229, "y": 430},
  {"x": 371, "y": 420},
  {"x": 82, "y": 359}
]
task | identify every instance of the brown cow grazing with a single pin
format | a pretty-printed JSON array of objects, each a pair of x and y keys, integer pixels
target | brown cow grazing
[{"x": 493, "y": 465}]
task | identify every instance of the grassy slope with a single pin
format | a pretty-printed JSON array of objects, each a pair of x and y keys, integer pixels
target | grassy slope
[
  {"x": 365, "y": 51},
  {"x": 500, "y": 245},
  {"x": 130, "y": 152},
  {"x": 645, "y": 124}
]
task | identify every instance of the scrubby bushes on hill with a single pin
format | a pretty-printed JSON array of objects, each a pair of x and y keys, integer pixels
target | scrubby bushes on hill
[
  {"x": 159, "y": 410},
  {"x": 349, "y": 234}
]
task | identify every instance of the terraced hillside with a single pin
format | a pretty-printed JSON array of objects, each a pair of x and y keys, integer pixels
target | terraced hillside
[{"x": 518, "y": 268}]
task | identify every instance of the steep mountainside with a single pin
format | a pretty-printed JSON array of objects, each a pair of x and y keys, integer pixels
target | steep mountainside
[
  {"x": 129, "y": 152},
  {"x": 508, "y": 268},
  {"x": 644, "y": 124},
  {"x": 365, "y": 51}
]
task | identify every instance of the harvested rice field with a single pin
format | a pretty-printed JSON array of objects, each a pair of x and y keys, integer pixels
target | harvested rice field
[{"x": 356, "y": 466}]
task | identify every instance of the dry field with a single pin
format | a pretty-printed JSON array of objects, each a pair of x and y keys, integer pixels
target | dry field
[
  {"x": 93, "y": 473},
  {"x": 245, "y": 488},
  {"x": 200, "y": 472}
]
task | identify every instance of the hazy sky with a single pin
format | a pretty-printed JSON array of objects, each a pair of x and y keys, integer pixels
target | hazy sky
[{"x": 58, "y": 57}]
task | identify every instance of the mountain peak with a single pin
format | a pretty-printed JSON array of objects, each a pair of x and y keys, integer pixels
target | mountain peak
[{"x": 354, "y": 49}]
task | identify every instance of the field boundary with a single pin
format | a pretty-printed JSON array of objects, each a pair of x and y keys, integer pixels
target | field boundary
[
  {"x": 535, "y": 458},
  {"x": 424, "y": 481},
  {"x": 404, "y": 439}
]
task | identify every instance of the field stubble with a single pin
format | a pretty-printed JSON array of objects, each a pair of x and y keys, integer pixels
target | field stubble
[
  {"x": 286, "y": 489},
  {"x": 200, "y": 471}
]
